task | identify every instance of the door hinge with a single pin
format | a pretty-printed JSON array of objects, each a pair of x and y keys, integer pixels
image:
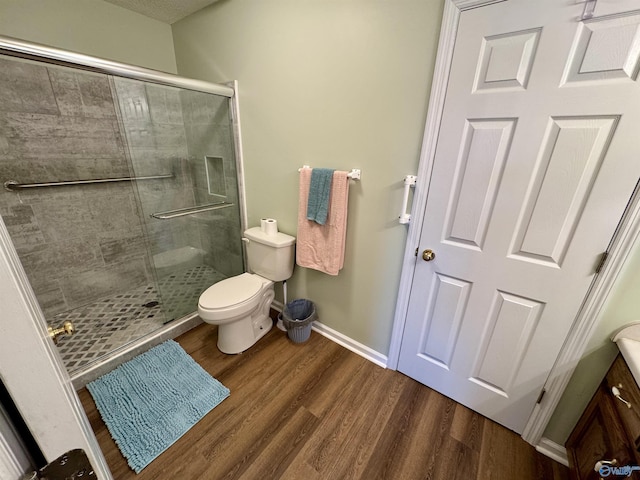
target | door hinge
[
  {"x": 589, "y": 9},
  {"x": 540, "y": 396},
  {"x": 73, "y": 464},
  {"x": 603, "y": 259}
]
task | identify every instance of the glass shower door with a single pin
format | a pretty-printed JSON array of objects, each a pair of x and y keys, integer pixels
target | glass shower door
[
  {"x": 192, "y": 214},
  {"x": 71, "y": 212}
]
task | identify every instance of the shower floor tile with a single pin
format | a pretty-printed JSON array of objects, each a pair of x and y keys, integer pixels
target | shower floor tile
[{"x": 110, "y": 323}]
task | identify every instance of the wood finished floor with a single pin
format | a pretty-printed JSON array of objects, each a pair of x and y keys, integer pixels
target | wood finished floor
[{"x": 318, "y": 411}]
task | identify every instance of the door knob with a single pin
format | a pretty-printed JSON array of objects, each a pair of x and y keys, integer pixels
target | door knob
[
  {"x": 67, "y": 328},
  {"x": 428, "y": 255}
]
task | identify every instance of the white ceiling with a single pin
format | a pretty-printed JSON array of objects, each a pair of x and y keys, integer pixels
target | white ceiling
[{"x": 167, "y": 11}]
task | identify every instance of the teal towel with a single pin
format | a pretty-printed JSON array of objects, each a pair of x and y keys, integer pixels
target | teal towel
[{"x": 319, "y": 190}]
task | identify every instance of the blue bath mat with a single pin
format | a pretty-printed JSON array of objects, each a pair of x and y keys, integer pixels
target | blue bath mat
[{"x": 149, "y": 402}]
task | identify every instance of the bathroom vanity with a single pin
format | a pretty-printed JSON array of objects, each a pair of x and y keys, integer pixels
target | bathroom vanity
[{"x": 609, "y": 429}]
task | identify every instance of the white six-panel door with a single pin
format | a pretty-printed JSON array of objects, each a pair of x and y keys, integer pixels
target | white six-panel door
[{"x": 537, "y": 157}]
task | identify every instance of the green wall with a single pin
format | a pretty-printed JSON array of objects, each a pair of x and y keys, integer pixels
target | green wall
[
  {"x": 92, "y": 27},
  {"x": 329, "y": 84}
]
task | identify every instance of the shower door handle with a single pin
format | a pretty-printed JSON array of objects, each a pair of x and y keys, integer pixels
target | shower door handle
[{"x": 67, "y": 328}]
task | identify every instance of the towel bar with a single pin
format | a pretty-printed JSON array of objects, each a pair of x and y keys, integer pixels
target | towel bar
[
  {"x": 12, "y": 185},
  {"x": 354, "y": 174},
  {"x": 180, "y": 212}
]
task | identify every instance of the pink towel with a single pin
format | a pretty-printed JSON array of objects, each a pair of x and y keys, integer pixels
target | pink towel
[{"x": 321, "y": 247}]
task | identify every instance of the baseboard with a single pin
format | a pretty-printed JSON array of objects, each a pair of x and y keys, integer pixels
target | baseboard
[
  {"x": 350, "y": 344},
  {"x": 341, "y": 339},
  {"x": 552, "y": 450}
]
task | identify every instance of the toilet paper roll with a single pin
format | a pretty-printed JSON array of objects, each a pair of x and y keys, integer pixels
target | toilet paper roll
[{"x": 269, "y": 226}]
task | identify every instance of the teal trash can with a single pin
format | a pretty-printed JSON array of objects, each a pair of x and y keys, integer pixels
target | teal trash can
[{"x": 298, "y": 317}]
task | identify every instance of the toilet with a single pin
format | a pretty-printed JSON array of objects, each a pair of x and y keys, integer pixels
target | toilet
[{"x": 240, "y": 305}]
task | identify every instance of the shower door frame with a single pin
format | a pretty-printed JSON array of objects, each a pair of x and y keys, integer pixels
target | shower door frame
[{"x": 36, "y": 371}]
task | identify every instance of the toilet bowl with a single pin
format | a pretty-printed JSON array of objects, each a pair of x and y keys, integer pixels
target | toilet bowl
[{"x": 240, "y": 305}]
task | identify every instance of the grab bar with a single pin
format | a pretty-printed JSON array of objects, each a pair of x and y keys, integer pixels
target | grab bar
[
  {"x": 189, "y": 210},
  {"x": 409, "y": 181},
  {"x": 12, "y": 185}
]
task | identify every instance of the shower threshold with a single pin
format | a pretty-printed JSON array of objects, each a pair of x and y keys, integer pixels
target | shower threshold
[
  {"x": 90, "y": 371},
  {"x": 115, "y": 329}
]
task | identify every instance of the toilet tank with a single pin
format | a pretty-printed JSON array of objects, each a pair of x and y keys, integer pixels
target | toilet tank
[{"x": 270, "y": 256}]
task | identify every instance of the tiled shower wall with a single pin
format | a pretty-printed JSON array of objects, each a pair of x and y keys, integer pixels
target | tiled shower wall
[
  {"x": 76, "y": 243},
  {"x": 82, "y": 243},
  {"x": 172, "y": 131},
  {"x": 209, "y": 133},
  {"x": 153, "y": 122}
]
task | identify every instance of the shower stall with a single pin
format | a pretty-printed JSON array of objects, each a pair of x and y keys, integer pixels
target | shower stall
[{"x": 123, "y": 199}]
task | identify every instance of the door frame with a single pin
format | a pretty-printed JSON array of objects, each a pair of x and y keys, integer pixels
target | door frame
[
  {"x": 33, "y": 372},
  {"x": 587, "y": 317}
]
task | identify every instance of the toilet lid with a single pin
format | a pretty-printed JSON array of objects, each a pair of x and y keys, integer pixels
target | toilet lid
[{"x": 231, "y": 291}]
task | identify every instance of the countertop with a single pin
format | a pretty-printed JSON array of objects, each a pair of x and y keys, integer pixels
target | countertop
[{"x": 628, "y": 341}]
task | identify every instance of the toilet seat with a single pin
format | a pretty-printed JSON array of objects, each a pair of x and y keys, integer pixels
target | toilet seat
[{"x": 236, "y": 295}]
